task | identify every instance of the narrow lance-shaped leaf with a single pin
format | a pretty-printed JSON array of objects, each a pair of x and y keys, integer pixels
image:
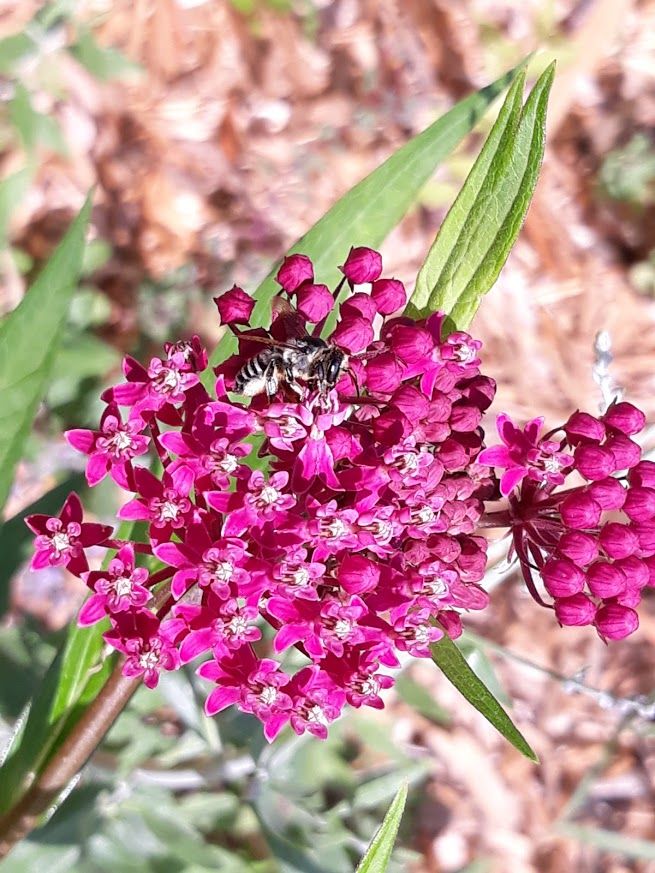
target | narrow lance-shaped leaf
[
  {"x": 477, "y": 234},
  {"x": 370, "y": 210},
  {"x": 29, "y": 338},
  {"x": 378, "y": 854},
  {"x": 452, "y": 663}
]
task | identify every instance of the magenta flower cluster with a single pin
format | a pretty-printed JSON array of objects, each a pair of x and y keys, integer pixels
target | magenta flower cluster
[
  {"x": 358, "y": 542},
  {"x": 593, "y": 543},
  {"x": 337, "y": 511}
]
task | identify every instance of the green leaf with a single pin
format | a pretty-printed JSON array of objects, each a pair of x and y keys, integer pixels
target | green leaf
[
  {"x": 12, "y": 190},
  {"x": 419, "y": 698},
  {"x": 34, "y": 127},
  {"x": 452, "y": 663},
  {"x": 378, "y": 854},
  {"x": 13, "y": 49},
  {"x": 477, "y": 234},
  {"x": 369, "y": 211},
  {"x": 54, "y": 707},
  {"x": 103, "y": 63},
  {"x": 29, "y": 339},
  {"x": 608, "y": 841}
]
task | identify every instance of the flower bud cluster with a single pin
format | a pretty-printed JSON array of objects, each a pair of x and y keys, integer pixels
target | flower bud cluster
[
  {"x": 593, "y": 543},
  {"x": 357, "y": 543}
]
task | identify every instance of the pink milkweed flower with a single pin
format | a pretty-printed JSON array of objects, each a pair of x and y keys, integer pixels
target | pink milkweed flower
[
  {"x": 256, "y": 686},
  {"x": 217, "y": 564},
  {"x": 149, "y": 390},
  {"x": 523, "y": 454},
  {"x": 297, "y": 577},
  {"x": 111, "y": 447},
  {"x": 256, "y": 501},
  {"x": 415, "y": 631},
  {"x": 216, "y": 624},
  {"x": 147, "y": 650},
  {"x": 164, "y": 503},
  {"x": 61, "y": 540},
  {"x": 316, "y": 701},
  {"x": 119, "y": 588}
]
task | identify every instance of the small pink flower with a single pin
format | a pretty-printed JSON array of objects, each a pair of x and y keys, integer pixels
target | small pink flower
[
  {"x": 119, "y": 588},
  {"x": 61, "y": 540},
  {"x": 110, "y": 448},
  {"x": 137, "y": 635}
]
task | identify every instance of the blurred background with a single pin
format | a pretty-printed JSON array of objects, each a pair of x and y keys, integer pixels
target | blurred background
[{"x": 215, "y": 133}]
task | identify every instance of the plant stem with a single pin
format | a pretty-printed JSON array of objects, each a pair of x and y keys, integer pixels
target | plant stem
[{"x": 73, "y": 754}]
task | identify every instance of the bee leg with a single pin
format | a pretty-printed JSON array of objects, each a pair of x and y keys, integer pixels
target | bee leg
[
  {"x": 292, "y": 382},
  {"x": 271, "y": 379}
]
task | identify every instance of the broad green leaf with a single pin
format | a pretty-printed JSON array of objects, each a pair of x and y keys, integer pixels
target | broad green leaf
[
  {"x": 29, "y": 340},
  {"x": 378, "y": 854},
  {"x": 477, "y": 234},
  {"x": 452, "y": 663},
  {"x": 370, "y": 210}
]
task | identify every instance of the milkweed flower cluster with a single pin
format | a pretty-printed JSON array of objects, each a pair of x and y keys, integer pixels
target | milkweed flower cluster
[
  {"x": 338, "y": 512},
  {"x": 358, "y": 542},
  {"x": 593, "y": 542}
]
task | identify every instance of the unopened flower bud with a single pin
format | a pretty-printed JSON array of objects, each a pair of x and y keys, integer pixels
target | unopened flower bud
[
  {"x": 615, "y": 622},
  {"x": 383, "y": 373},
  {"x": 626, "y": 452},
  {"x": 580, "y": 511},
  {"x": 617, "y": 540},
  {"x": 640, "y": 504},
  {"x": 646, "y": 535},
  {"x": 581, "y": 548},
  {"x": 562, "y": 578},
  {"x": 643, "y": 474},
  {"x": 362, "y": 265},
  {"x": 584, "y": 428},
  {"x": 295, "y": 270},
  {"x": 235, "y": 306},
  {"x": 635, "y": 570},
  {"x": 357, "y": 574},
  {"x": 359, "y": 304},
  {"x": 608, "y": 493},
  {"x": 594, "y": 462},
  {"x": 575, "y": 611},
  {"x": 314, "y": 301},
  {"x": 389, "y": 295},
  {"x": 353, "y": 334},
  {"x": 625, "y": 417},
  {"x": 605, "y": 580}
]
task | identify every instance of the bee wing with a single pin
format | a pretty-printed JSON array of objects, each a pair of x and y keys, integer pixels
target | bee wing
[{"x": 288, "y": 321}]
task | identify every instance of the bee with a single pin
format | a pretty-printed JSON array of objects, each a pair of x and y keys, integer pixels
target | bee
[{"x": 302, "y": 358}]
